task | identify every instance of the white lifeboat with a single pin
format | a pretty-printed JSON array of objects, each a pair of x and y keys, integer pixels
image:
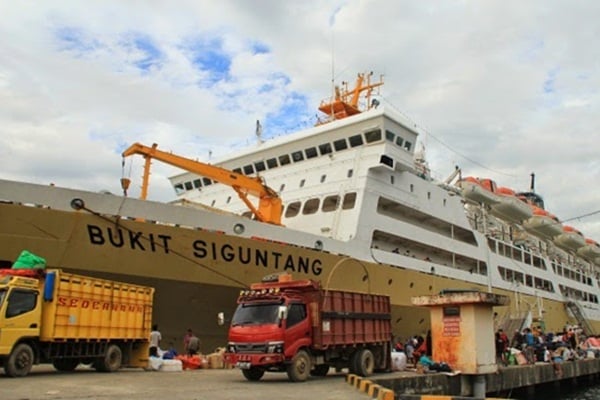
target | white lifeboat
[
  {"x": 542, "y": 223},
  {"x": 478, "y": 190},
  {"x": 590, "y": 251},
  {"x": 510, "y": 207},
  {"x": 570, "y": 239}
]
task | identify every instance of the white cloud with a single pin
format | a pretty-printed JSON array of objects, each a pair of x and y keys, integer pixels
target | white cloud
[{"x": 511, "y": 88}]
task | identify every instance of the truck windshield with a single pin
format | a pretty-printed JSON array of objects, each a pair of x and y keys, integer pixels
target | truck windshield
[{"x": 248, "y": 314}]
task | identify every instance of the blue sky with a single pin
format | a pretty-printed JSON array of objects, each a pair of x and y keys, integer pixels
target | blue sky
[{"x": 500, "y": 89}]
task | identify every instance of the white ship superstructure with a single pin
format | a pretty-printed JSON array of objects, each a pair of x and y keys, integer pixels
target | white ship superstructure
[{"x": 359, "y": 181}]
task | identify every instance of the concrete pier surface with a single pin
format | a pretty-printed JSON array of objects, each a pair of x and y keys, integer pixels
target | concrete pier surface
[
  {"x": 506, "y": 379},
  {"x": 44, "y": 383}
]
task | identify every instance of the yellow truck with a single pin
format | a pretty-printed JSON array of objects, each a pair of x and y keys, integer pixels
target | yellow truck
[{"x": 51, "y": 316}]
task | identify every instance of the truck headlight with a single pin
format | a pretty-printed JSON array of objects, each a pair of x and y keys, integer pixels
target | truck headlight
[
  {"x": 275, "y": 347},
  {"x": 230, "y": 348}
]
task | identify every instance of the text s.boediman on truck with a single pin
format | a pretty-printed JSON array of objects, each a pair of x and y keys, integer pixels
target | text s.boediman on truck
[
  {"x": 298, "y": 327},
  {"x": 50, "y": 316}
]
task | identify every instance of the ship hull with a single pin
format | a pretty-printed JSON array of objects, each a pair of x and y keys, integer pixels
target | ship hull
[{"x": 198, "y": 273}]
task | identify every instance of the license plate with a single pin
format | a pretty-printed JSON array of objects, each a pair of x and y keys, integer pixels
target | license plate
[{"x": 242, "y": 365}]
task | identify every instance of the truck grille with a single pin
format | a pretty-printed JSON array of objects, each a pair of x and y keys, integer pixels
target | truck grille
[{"x": 250, "y": 347}]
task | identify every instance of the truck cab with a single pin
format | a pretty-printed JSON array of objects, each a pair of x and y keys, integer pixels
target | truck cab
[{"x": 20, "y": 318}]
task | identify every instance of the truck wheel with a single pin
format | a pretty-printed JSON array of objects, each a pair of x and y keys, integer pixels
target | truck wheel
[
  {"x": 320, "y": 370},
  {"x": 364, "y": 362},
  {"x": 20, "y": 361},
  {"x": 253, "y": 374},
  {"x": 299, "y": 369},
  {"x": 112, "y": 359},
  {"x": 65, "y": 364}
]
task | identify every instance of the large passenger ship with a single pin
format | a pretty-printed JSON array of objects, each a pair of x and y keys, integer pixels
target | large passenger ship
[{"x": 360, "y": 211}]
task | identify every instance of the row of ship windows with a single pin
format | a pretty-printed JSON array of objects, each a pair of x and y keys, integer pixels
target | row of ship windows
[
  {"x": 517, "y": 253},
  {"x": 576, "y": 294},
  {"x": 301, "y": 155},
  {"x": 311, "y": 206},
  {"x": 513, "y": 276},
  {"x": 571, "y": 274}
]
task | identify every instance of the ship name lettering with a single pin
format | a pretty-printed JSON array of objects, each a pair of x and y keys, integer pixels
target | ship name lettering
[
  {"x": 258, "y": 257},
  {"x": 118, "y": 237}
]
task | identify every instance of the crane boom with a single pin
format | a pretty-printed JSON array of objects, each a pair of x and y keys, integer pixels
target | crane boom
[{"x": 269, "y": 206}]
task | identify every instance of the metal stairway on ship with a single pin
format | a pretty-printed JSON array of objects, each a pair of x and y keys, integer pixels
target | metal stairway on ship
[{"x": 581, "y": 320}]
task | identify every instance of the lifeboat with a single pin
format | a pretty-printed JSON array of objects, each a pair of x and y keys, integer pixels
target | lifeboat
[
  {"x": 510, "y": 207},
  {"x": 570, "y": 239},
  {"x": 542, "y": 223},
  {"x": 590, "y": 251},
  {"x": 478, "y": 190}
]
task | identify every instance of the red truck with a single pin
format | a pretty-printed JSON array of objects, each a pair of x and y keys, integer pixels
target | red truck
[{"x": 298, "y": 327}]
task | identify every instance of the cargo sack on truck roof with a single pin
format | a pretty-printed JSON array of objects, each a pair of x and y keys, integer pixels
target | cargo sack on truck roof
[{"x": 27, "y": 260}]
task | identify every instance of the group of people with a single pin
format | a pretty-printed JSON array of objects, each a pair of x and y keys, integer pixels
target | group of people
[
  {"x": 533, "y": 345},
  {"x": 191, "y": 344}
]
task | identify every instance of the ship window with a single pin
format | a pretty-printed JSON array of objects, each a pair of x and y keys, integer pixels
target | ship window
[
  {"x": 340, "y": 145},
  {"x": 260, "y": 166},
  {"x": 444, "y": 202},
  {"x": 392, "y": 179},
  {"x": 399, "y": 141},
  {"x": 373, "y": 136},
  {"x": 302, "y": 182},
  {"x": 237, "y": 170},
  {"x": 389, "y": 135},
  {"x": 350, "y": 173},
  {"x": 428, "y": 195},
  {"x": 179, "y": 188},
  {"x": 206, "y": 181},
  {"x": 20, "y": 302},
  {"x": 311, "y": 206},
  {"x": 323, "y": 177},
  {"x": 349, "y": 201},
  {"x": 272, "y": 163},
  {"x": 284, "y": 159},
  {"x": 248, "y": 169},
  {"x": 297, "y": 156},
  {"x": 325, "y": 148},
  {"x": 330, "y": 203},
  {"x": 528, "y": 280},
  {"x": 188, "y": 186},
  {"x": 292, "y": 209},
  {"x": 282, "y": 187},
  {"x": 385, "y": 160},
  {"x": 228, "y": 200},
  {"x": 311, "y": 152},
  {"x": 407, "y": 145},
  {"x": 355, "y": 140},
  {"x": 412, "y": 188},
  {"x": 197, "y": 183},
  {"x": 212, "y": 204}
]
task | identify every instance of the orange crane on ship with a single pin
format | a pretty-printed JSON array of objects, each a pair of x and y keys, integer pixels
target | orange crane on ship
[{"x": 269, "y": 205}]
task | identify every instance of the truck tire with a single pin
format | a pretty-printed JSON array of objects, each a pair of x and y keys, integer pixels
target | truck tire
[
  {"x": 112, "y": 359},
  {"x": 299, "y": 369},
  {"x": 364, "y": 362},
  {"x": 65, "y": 364},
  {"x": 253, "y": 374},
  {"x": 20, "y": 361},
  {"x": 320, "y": 370}
]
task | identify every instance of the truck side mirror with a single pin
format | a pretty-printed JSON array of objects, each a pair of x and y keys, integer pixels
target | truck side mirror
[
  {"x": 220, "y": 318},
  {"x": 282, "y": 312}
]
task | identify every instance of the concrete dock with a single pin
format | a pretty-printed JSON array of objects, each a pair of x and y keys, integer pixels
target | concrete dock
[{"x": 408, "y": 383}]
